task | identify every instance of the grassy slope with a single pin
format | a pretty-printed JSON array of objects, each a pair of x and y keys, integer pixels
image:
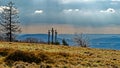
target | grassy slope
[{"x": 65, "y": 57}]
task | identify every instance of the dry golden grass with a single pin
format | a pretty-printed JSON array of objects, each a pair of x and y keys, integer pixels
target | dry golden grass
[{"x": 31, "y": 55}]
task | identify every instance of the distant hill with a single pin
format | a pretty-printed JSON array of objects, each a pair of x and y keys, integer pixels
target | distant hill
[
  {"x": 44, "y": 37},
  {"x": 111, "y": 39},
  {"x": 107, "y": 41},
  {"x": 37, "y": 36}
]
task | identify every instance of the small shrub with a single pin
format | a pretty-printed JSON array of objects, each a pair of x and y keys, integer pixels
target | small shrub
[
  {"x": 64, "y": 42},
  {"x": 22, "y": 56},
  {"x": 81, "y": 40}
]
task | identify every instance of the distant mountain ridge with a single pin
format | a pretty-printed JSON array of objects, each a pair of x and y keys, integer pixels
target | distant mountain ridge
[{"x": 109, "y": 41}]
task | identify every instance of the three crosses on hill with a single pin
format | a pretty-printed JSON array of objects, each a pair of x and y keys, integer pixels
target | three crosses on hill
[{"x": 52, "y": 36}]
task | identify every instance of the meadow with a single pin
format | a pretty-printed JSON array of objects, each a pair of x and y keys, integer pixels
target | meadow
[{"x": 33, "y": 55}]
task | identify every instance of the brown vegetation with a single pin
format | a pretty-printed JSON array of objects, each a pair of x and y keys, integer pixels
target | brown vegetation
[{"x": 33, "y": 55}]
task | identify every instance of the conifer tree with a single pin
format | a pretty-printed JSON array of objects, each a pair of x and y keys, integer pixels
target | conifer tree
[{"x": 9, "y": 21}]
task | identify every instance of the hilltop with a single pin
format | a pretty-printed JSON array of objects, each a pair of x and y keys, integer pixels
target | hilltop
[{"x": 32, "y": 55}]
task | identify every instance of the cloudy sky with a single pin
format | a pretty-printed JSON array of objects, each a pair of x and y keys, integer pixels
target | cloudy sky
[{"x": 69, "y": 16}]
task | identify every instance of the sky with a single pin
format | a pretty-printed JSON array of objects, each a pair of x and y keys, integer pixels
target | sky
[{"x": 68, "y": 16}]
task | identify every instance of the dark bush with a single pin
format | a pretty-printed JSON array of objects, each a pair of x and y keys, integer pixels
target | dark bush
[
  {"x": 22, "y": 56},
  {"x": 28, "y": 57},
  {"x": 4, "y": 51},
  {"x": 64, "y": 42}
]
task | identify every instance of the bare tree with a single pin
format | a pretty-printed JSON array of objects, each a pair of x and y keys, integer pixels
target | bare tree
[
  {"x": 81, "y": 40},
  {"x": 9, "y": 21}
]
